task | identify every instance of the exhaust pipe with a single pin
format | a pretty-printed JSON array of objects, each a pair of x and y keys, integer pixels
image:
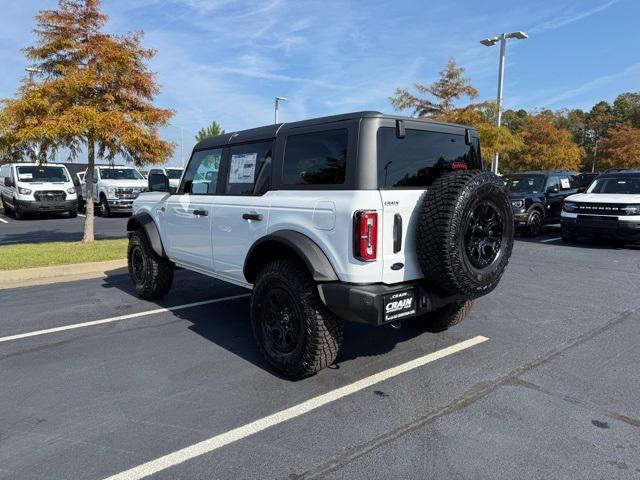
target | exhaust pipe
[{"x": 397, "y": 325}]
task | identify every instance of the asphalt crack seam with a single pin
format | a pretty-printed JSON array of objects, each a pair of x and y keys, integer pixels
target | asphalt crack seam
[
  {"x": 577, "y": 402},
  {"x": 475, "y": 393}
]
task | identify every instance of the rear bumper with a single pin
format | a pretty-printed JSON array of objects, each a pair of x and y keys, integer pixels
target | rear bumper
[
  {"x": 627, "y": 230},
  {"x": 43, "y": 207},
  {"x": 366, "y": 303}
]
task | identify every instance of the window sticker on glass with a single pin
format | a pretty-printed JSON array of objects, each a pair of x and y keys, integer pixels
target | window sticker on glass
[
  {"x": 243, "y": 167},
  {"x": 565, "y": 183},
  {"x": 26, "y": 176}
]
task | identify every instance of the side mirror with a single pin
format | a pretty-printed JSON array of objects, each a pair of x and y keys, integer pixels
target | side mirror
[
  {"x": 94, "y": 180},
  {"x": 158, "y": 182},
  {"x": 553, "y": 190},
  {"x": 8, "y": 182}
]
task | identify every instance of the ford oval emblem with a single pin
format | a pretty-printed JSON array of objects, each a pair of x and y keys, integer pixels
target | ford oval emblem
[{"x": 397, "y": 266}]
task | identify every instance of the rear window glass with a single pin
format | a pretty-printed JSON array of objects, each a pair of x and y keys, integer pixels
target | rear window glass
[
  {"x": 421, "y": 157},
  {"x": 317, "y": 158}
]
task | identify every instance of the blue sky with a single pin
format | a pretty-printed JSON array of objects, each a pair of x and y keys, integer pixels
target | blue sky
[{"x": 227, "y": 59}]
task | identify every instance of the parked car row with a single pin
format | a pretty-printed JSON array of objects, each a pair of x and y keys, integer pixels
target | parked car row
[
  {"x": 588, "y": 204},
  {"x": 28, "y": 188}
]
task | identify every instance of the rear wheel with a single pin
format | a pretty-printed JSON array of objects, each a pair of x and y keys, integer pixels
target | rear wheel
[
  {"x": 72, "y": 213},
  {"x": 295, "y": 331},
  {"x": 151, "y": 274},
  {"x": 81, "y": 206},
  {"x": 442, "y": 318}
]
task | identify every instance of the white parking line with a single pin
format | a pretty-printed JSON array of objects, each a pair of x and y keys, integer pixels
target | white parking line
[
  {"x": 119, "y": 318},
  {"x": 550, "y": 240},
  {"x": 214, "y": 443},
  {"x": 3, "y": 220},
  {"x": 81, "y": 215}
]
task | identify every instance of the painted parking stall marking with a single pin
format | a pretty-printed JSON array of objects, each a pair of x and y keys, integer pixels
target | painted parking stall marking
[
  {"x": 219, "y": 441},
  {"x": 120, "y": 318},
  {"x": 3, "y": 220}
]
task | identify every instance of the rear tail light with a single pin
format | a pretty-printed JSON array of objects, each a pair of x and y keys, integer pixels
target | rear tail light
[
  {"x": 365, "y": 235},
  {"x": 459, "y": 166}
]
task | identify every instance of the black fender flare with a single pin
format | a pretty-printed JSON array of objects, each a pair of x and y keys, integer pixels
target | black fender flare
[
  {"x": 143, "y": 221},
  {"x": 311, "y": 254}
]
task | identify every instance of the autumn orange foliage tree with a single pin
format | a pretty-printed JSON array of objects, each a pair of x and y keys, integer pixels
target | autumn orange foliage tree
[
  {"x": 621, "y": 148},
  {"x": 545, "y": 146},
  {"x": 91, "y": 90}
]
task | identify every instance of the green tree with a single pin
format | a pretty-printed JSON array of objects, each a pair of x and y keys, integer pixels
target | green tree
[
  {"x": 514, "y": 119},
  {"x": 212, "y": 130},
  {"x": 626, "y": 108},
  {"x": 92, "y": 90}
]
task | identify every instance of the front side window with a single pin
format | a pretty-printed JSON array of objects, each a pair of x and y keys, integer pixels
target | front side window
[
  {"x": 116, "y": 173},
  {"x": 625, "y": 185},
  {"x": 42, "y": 173},
  {"x": 317, "y": 158},
  {"x": 246, "y": 164},
  {"x": 553, "y": 183},
  {"x": 201, "y": 177},
  {"x": 419, "y": 158}
]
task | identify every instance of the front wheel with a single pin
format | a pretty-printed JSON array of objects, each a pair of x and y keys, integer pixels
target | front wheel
[
  {"x": 566, "y": 236},
  {"x": 295, "y": 331},
  {"x": 17, "y": 211},
  {"x": 442, "y": 318},
  {"x": 534, "y": 223},
  {"x": 151, "y": 274},
  {"x": 104, "y": 207}
]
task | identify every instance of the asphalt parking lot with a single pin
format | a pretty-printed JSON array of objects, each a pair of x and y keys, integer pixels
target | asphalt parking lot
[
  {"x": 547, "y": 384},
  {"x": 57, "y": 228}
]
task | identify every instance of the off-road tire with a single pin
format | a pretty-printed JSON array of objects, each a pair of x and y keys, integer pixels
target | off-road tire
[
  {"x": 534, "y": 223},
  {"x": 320, "y": 332},
  {"x": 443, "y": 318},
  {"x": 567, "y": 237},
  {"x": 104, "y": 207},
  {"x": 156, "y": 276},
  {"x": 443, "y": 225}
]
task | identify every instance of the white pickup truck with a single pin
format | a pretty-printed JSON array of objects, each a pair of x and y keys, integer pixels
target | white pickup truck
[{"x": 115, "y": 188}]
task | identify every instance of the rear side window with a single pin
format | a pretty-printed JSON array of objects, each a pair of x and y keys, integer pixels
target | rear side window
[
  {"x": 247, "y": 163},
  {"x": 421, "y": 157},
  {"x": 317, "y": 158}
]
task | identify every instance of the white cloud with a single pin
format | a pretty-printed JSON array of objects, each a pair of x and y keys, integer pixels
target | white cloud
[{"x": 566, "y": 19}]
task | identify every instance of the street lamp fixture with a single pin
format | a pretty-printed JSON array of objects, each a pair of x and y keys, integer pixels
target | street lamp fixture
[
  {"x": 490, "y": 42},
  {"x": 278, "y": 100}
]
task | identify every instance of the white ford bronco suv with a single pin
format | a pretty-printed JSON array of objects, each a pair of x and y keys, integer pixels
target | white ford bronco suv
[
  {"x": 363, "y": 217},
  {"x": 609, "y": 208}
]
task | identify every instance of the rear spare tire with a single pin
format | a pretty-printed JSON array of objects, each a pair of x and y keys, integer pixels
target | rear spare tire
[{"x": 465, "y": 233}]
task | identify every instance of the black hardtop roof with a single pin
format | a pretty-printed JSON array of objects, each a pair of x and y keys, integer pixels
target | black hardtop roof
[
  {"x": 270, "y": 131},
  {"x": 621, "y": 173}
]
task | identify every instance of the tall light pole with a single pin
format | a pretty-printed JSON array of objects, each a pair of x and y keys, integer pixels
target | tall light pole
[
  {"x": 278, "y": 100},
  {"x": 490, "y": 42}
]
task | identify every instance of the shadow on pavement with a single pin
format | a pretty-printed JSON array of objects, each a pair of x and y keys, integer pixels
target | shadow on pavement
[{"x": 228, "y": 325}]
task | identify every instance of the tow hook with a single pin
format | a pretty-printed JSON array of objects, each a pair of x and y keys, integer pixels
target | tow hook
[{"x": 397, "y": 325}]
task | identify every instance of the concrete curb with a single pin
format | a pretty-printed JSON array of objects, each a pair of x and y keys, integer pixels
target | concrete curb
[{"x": 27, "y": 277}]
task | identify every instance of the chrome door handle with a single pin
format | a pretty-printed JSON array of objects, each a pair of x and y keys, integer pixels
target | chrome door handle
[
  {"x": 201, "y": 213},
  {"x": 252, "y": 216}
]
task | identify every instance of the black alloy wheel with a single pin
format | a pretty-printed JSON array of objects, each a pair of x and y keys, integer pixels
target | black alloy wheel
[
  {"x": 282, "y": 322},
  {"x": 483, "y": 236},
  {"x": 534, "y": 223}
]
